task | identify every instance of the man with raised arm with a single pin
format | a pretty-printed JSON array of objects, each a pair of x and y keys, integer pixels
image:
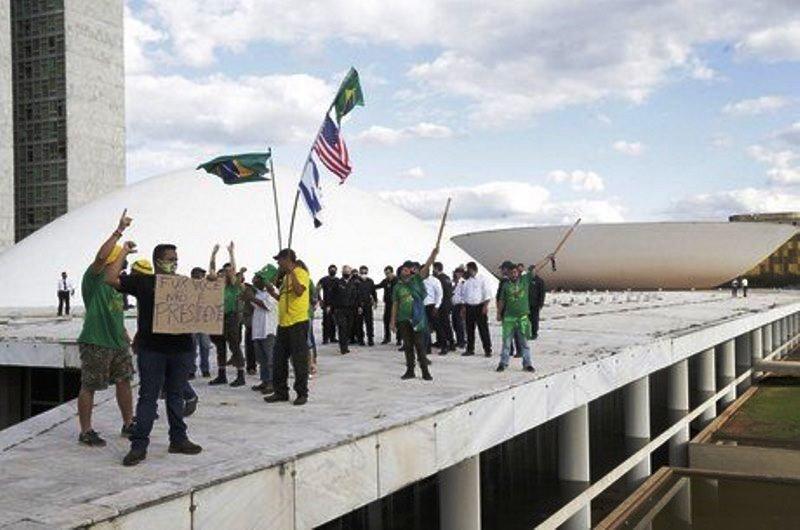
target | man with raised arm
[
  {"x": 408, "y": 314},
  {"x": 232, "y": 327},
  {"x": 513, "y": 311}
]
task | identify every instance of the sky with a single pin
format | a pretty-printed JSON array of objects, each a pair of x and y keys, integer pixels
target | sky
[{"x": 524, "y": 112}]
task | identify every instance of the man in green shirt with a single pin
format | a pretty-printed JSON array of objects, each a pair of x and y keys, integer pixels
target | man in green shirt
[
  {"x": 513, "y": 310},
  {"x": 104, "y": 343},
  {"x": 232, "y": 324},
  {"x": 408, "y": 314}
]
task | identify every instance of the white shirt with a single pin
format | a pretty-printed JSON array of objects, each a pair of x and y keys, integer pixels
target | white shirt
[
  {"x": 744, "y": 282},
  {"x": 433, "y": 291},
  {"x": 458, "y": 292},
  {"x": 476, "y": 291},
  {"x": 65, "y": 285},
  {"x": 264, "y": 321}
]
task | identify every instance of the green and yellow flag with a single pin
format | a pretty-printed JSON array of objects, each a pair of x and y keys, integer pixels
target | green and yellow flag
[
  {"x": 238, "y": 169},
  {"x": 349, "y": 95}
]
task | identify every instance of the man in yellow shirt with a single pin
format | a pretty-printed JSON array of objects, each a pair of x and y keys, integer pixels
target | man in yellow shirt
[{"x": 292, "y": 337}]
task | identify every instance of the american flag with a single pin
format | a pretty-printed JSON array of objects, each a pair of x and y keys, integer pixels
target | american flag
[{"x": 331, "y": 150}]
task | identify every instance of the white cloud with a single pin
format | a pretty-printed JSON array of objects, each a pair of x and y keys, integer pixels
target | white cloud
[
  {"x": 776, "y": 43},
  {"x": 501, "y": 203},
  {"x": 138, "y": 36},
  {"x": 415, "y": 172},
  {"x": 721, "y": 141},
  {"x": 628, "y": 148},
  {"x": 701, "y": 71},
  {"x": 755, "y": 106},
  {"x": 783, "y": 170},
  {"x": 579, "y": 180},
  {"x": 791, "y": 134},
  {"x": 389, "y": 136},
  {"x": 720, "y": 205}
]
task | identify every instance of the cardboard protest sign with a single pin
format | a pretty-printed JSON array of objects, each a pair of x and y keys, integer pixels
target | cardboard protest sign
[{"x": 186, "y": 305}]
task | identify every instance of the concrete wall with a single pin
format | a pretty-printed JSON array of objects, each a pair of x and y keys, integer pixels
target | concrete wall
[
  {"x": 95, "y": 73},
  {"x": 6, "y": 131}
]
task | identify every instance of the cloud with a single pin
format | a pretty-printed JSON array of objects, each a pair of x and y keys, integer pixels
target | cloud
[
  {"x": 415, "y": 172},
  {"x": 776, "y": 43},
  {"x": 783, "y": 170},
  {"x": 755, "y": 106},
  {"x": 579, "y": 180},
  {"x": 628, "y": 148},
  {"x": 791, "y": 134},
  {"x": 502, "y": 203},
  {"x": 138, "y": 37},
  {"x": 389, "y": 136},
  {"x": 720, "y": 205}
]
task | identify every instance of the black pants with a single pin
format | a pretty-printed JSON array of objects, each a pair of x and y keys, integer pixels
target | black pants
[
  {"x": 430, "y": 313},
  {"x": 63, "y": 302},
  {"x": 387, "y": 319},
  {"x": 413, "y": 341},
  {"x": 444, "y": 333},
  {"x": 364, "y": 322},
  {"x": 232, "y": 337},
  {"x": 458, "y": 325},
  {"x": 475, "y": 317},
  {"x": 249, "y": 349},
  {"x": 534, "y": 316},
  {"x": 344, "y": 323},
  {"x": 291, "y": 343},
  {"x": 328, "y": 324}
]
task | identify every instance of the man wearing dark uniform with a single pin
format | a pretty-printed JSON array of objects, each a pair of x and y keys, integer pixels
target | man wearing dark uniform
[
  {"x": 444, "y": 331},
  {"x": 326, "y": 286},
  {"x": 537, "y": 295},
  {"x": 367, "y": 300},
  {"x": 387, "y": 284},
  {"x": 345, "y": 297}
]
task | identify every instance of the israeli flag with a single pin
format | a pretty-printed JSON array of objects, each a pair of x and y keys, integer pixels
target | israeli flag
[{"x": 311, "y": 191}]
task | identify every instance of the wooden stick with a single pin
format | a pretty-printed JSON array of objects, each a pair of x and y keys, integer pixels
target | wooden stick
[
  {"x": 275, "y": 200},
  {"x": 444, "y": 218},
  {"x": 544, "y": 261}
]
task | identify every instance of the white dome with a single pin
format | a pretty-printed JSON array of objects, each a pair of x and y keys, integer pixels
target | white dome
[{"x": 194, "y": 210}]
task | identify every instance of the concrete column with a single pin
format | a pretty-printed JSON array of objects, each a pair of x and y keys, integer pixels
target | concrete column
[
  {"x": 776, "y": 335},
  {"x": 573, "y": 459},
  {"x": 744, "y": 359},
  {"x": 706, "y": 384},
  {"x": 636, "y": 398},
  {"x": 726, "y": 365},
  {"x": 756, "y": 348},
  {"x": 766, "y": 333},
  {"x": 460, "y": 495},
  {"x": 678, "y": 407}
]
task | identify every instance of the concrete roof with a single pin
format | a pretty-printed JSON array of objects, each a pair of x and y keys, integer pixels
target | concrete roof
[{"x": 364, "y": 432}]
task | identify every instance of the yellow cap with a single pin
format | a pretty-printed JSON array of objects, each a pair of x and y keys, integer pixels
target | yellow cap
[
  {"x": 142, "y": 266},
  {"x": 112, "y": 257}
]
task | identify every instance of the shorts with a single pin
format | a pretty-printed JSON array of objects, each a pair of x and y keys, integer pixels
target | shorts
[{"x": 101, "y": 366}]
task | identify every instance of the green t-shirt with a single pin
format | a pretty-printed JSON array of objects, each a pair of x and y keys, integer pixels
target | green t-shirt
[
  {"x": 103, "y": 322},
  {"x": 515, "y": 297},
  {"x": 231, "y": 298},
  {"x": 403, "y": 294}
]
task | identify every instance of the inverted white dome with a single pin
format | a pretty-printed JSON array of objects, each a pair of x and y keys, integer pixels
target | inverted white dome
[{"x": 194, "y": 210}]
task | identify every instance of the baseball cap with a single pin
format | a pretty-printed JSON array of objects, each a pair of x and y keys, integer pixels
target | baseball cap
[
  {"x": 268, "y": 273},
  {"x": 285, "y": 253}
]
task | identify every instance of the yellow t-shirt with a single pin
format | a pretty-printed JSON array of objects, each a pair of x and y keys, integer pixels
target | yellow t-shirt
[{"x": 293, "y": 309}]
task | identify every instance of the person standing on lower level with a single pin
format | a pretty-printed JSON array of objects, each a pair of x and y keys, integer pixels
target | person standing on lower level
[
  {"x": 745, "y": 284},
  {"x": 64, "y": 291}
]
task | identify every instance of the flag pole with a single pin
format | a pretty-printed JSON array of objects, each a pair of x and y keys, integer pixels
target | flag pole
[
  {"x": 294, "y": 212},
  {"x": 275, "y": 199}
]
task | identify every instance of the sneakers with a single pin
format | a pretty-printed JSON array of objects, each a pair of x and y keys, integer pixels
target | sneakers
[
  {"x": 184, "y": 448},
  {"x": 301, "y": 400},
  {"x": 500, "y": 367},
  {"x": 409, "y": 374},
  {"x": 91, "y": 438},
  {"x": 127, "y": 430},
  {"x": 189, "y": 406},
  {"x": 275, "y": 398},
  {"x": 133, "y": 457},
  {"x": 219, "y": 380}
]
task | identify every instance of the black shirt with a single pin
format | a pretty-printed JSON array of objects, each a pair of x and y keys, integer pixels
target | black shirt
[
  {"x": 327, "y": 283},
  {"x": 366, "y": 291},
  {"x": 447, "y": 291},
  {"x": 388, "y": 287},
  {"x": 143, "y": 287},
  {"x": 345, "y": 293}
]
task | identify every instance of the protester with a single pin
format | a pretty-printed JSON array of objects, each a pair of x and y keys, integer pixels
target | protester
[
  {"x": 408, "y": 314},
  {"x": 161, "y": 358},
  {"x": 265, "y": 322},
  {"x": 201, "y": 341},
  {"x": 432, "y": 303},
  {"x": 459, "y": 308},
  {"x": 513, "y": 311},
  {"x": 345, "y": 298},
  {"x": 292, "y": 337},
  {"x": 476, "y": 299},
  {"x": 444, "y": 332},
  {"x": 231, "y": 329},
  {"x": 537, "y": 295},
  {"x": 64, "y": 290},
  {"x": 745, "y": 285},
  {"x": 246, "y": 296},
  {"x": 103, "y": 343},
  {"x": 326, "y": 285},
  {"x": 387, "y": 284},
  {"x": 367, "y": 302}
]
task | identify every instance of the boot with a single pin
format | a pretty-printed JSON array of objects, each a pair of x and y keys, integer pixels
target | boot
[
  {"x": 426, "y": 375},
  {"x": 409, "y": 374},
  {"x": 221, "y": 378},
  {"x": 239, "y": 381}
]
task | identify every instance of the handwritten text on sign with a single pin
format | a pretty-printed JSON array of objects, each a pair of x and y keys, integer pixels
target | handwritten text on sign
[{"x": 185, "y": 305}]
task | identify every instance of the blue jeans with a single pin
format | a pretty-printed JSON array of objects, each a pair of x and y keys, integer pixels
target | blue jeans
[
  {"x": 188, "y": 361},
  {"x": 156, "y": 371},
  {"x": 263, "y": 349},
  {"x": 522, "y": 344},
  {"x": 203, "y": 342}
]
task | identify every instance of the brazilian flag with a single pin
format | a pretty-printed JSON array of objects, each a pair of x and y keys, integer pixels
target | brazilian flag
[
  {"x": 349, "y": 95},
  {"x": 238, "y": 169}
]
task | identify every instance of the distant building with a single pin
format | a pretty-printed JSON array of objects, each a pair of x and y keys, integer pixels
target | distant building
[
  {"x": 62, "y": 73},
  {"x": 782, "y": 267}
]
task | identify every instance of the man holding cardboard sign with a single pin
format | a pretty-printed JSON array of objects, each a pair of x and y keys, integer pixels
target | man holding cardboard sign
[{"x": 161, "y": 354}]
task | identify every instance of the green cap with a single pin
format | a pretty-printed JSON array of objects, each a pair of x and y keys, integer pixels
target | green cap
[{"x": 268, "y": 273}]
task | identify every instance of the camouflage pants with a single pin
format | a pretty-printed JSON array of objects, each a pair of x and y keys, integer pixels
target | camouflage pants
[{"x": 101, "y": 366}]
